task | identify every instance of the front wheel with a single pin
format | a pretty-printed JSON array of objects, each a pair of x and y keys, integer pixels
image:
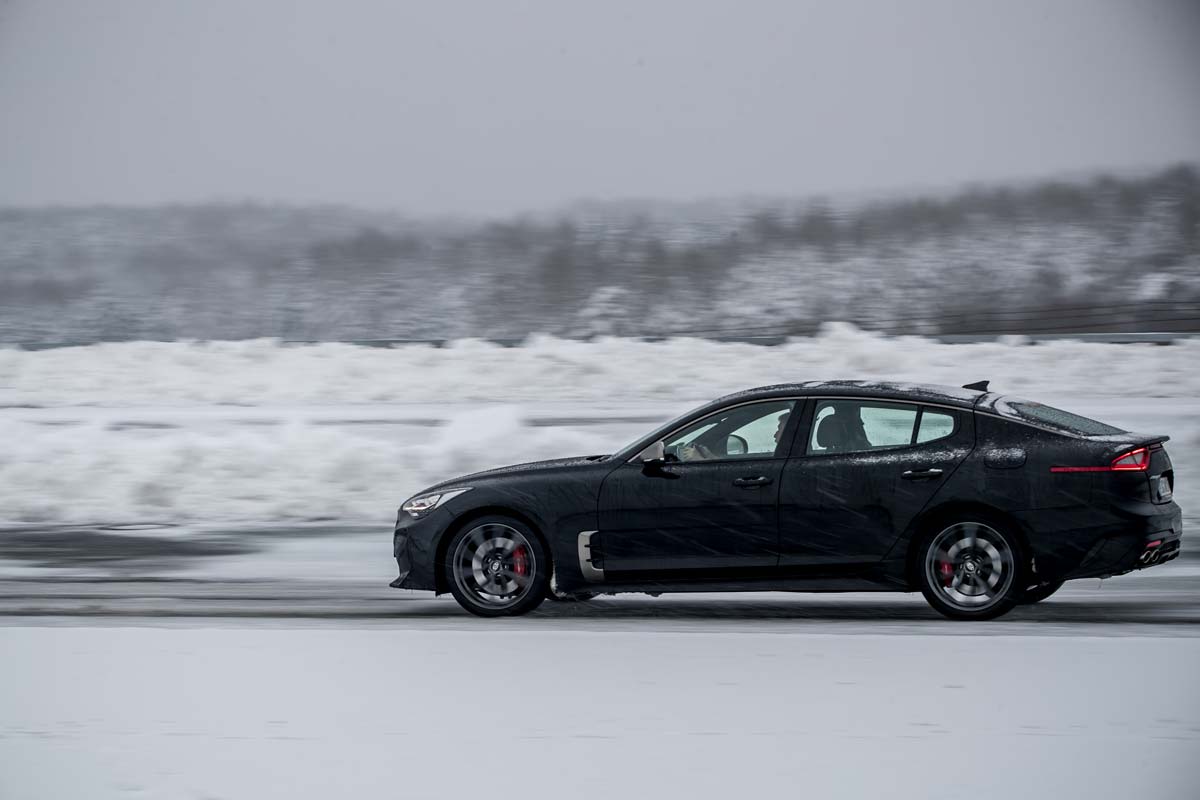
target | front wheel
[
  {"x": 497, "y": 567},
  {"x": 970, "y": 570}
]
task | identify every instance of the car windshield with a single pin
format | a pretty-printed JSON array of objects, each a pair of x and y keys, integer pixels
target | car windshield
[
  {"x": 632, "y": 449},
  {"x": 1050, "y": 417}
]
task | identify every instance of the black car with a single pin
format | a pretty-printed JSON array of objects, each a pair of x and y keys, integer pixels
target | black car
[{"x": 981, "y": 501}]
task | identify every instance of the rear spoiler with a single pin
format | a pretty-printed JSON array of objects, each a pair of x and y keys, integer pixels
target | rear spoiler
[{"x": 1129, "y": 438}]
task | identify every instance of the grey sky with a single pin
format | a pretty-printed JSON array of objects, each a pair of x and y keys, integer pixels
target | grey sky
[{"x": 494, "y": 107}]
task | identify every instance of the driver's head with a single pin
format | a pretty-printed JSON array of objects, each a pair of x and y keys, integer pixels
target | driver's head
[{"x": 783, "y": 419}]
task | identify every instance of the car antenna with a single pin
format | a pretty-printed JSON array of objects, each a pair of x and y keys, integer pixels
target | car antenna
[{"x": 979, "y": 386}]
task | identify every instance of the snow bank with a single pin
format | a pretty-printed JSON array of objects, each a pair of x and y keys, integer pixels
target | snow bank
[
  {"x": 267, "y": 372},
  {"x": 263, "y": 432},
  {"x": 292, "y": 471}
]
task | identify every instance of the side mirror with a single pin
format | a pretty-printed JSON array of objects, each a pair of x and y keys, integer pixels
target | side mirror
[
  {"x": 654, "y": 458},
  {"x": 736, "y": 446},
  {"x": 655, "y": 453}
]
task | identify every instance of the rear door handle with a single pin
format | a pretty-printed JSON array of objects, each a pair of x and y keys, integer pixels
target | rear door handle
[
  {"x": 747, "y": 483},
  {"x": 921, "y": 474}
]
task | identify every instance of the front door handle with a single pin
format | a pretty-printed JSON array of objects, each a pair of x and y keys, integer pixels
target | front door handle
[
  {"x": 747, "y": 483},
  {"x": 921, "y": 474}
]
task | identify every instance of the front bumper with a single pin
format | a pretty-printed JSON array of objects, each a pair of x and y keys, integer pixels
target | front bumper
[{"x": 414, "y": 546}]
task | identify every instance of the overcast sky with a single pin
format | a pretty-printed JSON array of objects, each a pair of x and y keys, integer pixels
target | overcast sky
[{"x": 494, "y": 107}]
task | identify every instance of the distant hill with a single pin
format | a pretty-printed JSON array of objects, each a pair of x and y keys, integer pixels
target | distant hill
[{"x": 1095, "y": 254}]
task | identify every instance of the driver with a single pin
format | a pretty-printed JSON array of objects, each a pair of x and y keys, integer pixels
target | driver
[{"x": 695, "y": 451}]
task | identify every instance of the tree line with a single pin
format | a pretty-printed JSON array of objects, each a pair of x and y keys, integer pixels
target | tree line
[{"x": 1093, "y": 253}]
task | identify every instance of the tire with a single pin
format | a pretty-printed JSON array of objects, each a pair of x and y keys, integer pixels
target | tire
[
  {"x": 972, "y": 569},
  {"x": 1036, "y": 594},
  {"x": 497, "y": 567}
]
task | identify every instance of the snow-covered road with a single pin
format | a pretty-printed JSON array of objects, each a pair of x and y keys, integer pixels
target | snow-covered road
[
  {"x": 109, "y": 712},
  {"x": 293, "y": 671},
  {"x": 252, "y": 589}
]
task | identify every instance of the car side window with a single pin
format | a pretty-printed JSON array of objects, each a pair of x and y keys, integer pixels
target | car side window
[
  {"x": 747, "y": 431},
  {"x": 934, "y": 425},
  {"x": 855, "y": 426}
]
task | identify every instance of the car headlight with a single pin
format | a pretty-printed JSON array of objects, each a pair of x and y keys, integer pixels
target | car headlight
[{"x": 422, "y": 504}]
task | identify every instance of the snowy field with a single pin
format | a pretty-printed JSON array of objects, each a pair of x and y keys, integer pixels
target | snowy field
[{"x": 257, "y": 432}]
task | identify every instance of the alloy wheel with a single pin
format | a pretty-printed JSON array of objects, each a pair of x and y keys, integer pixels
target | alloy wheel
[
  {"x": 970, "y": 566},
  {"x": 494, "y": 565}
]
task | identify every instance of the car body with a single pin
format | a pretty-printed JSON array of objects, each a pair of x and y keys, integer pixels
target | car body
[{"x": 977, "y": 499}]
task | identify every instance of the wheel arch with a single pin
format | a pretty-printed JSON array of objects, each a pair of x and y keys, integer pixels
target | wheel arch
[
  {"x": 924, "y": 525},
  {"x": 465, "y": 519}
]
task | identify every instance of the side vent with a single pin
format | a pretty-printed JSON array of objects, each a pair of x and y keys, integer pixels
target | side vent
[{"x": 591, "y": 572}]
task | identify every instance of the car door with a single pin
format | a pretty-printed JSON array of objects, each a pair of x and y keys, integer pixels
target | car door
[
  {"x": 863, "y": 471},
  {"x": 713, "y": 504}
]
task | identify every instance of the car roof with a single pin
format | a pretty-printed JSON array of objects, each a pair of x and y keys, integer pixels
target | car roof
[{"x": 889, "y": 390}]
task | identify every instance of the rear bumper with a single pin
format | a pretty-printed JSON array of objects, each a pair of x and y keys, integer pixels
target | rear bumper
[
  {"x": 1158, "y": 553},
  {"x": 1146, "y": 543}
]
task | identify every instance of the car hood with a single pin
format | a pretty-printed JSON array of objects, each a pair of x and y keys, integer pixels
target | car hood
[{"x": 528, "y": 468}]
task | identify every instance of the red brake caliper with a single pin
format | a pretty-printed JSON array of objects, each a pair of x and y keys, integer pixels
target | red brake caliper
[
  {"x": 521, "y": 562},
  {"x": 946, "y": 569}
]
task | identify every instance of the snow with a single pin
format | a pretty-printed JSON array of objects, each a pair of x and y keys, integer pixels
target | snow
[
  {"x": 263, "y": 432},
  {"x": 506, "y": 709},
  {"x": 295, "y": 470}
]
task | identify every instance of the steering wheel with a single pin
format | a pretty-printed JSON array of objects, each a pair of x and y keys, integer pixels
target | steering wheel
[{"x": 694, "y": 451}]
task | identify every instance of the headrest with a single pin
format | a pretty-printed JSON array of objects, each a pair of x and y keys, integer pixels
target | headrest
[{"x": 831, "y": 432}]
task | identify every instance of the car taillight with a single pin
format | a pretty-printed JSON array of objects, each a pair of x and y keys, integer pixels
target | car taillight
[{"x": 1134, "y": 461}]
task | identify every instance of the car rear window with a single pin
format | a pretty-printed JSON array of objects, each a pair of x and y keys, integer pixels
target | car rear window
[
  {"x": 1051, "y": 417},
  {"x": 934, "y": 425}
]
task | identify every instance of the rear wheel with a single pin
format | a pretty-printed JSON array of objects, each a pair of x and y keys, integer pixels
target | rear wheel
[
  {"x": 1036, "y": 594},
  {"x": 970, "y": 570},
  {"x": 497, "y": 567}
]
